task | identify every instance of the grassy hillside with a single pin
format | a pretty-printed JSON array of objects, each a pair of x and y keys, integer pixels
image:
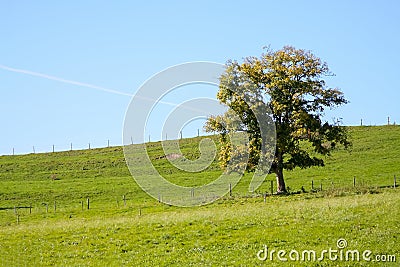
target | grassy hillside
[
  {"x": 102, "y": 173},
  {"x": 230, "y": 232}
]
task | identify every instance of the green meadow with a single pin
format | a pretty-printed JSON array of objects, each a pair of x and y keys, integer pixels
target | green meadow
[{"x": 45, "y": 219}]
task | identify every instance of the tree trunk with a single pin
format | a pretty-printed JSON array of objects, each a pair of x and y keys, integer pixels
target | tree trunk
[{"x": 281, "y": 187}]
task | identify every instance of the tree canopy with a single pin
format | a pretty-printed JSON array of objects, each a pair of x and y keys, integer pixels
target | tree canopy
[{"x": 291, "y": 83}]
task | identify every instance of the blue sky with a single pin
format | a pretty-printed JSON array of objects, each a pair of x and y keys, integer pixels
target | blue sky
[{"x": 119, "y": 45}]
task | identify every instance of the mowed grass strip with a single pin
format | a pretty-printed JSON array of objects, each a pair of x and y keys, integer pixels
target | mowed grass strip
[{"x": 227, "y": 233}]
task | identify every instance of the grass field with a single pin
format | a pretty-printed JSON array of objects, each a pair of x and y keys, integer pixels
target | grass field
[{"x": 229, "y": 232}]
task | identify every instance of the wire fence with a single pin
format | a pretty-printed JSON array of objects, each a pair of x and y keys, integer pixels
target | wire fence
[
  {"x": 362, "y": 122},
  {"x": 107, "y": 144},
  {"x": 53, "y": 148},
  {"x": 129, "y": 201}
]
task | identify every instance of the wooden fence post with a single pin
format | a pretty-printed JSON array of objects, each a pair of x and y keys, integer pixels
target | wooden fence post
[
  {"x": 272, "y": 187},
  {"x": 192, "y": 192},
  {"x": 230, "y": 190},
  {"x": 88, "y": 203},
  {"x": 123, "y": 197},
  {"x": 312, "y": 184},
  {"x": 354, "y": 181}
]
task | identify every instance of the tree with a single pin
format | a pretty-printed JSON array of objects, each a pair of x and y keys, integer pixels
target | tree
[{"x": 291, "y": 83}]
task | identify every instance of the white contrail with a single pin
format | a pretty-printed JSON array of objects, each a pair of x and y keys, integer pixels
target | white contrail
[
  {"x": 99, "y": 88},
  {"x": 49, "y": 77}
]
